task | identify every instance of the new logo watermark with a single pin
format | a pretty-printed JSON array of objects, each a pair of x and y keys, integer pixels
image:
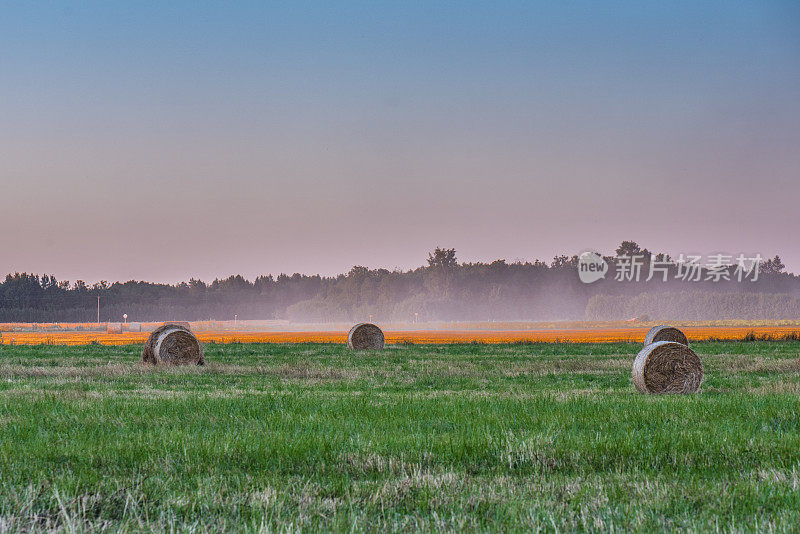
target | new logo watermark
[{"x": 591, "y": 267}]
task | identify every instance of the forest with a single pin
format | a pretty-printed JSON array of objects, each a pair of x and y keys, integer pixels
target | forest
[{"x": 443, "y": 289}]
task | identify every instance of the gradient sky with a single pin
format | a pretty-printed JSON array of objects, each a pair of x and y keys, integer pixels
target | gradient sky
[{"x": 161, "y": 141}]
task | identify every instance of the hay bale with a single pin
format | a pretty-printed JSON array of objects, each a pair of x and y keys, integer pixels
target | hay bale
[
  {"x": 183, "y": 324},
  {"x": 665, "y": 333},
  {"x": 174, "y": 345},
  {"x": 148, "y": 356},
  {"x": 365, "y": 336},
  {"x": 667, "y": 367},
  {"x": 114, "y": 328}
]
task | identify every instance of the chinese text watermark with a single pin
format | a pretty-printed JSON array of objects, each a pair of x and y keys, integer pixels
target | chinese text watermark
[{"x": 687, "y": 268}]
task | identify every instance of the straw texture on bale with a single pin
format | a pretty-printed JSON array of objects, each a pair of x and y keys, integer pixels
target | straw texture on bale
[
  {"x": 184, "y": 324},
  {"x": 665, "y": 333},
  {"x": 667, "y": 367},
  {"x": 174, "y": 345},
  {"x": 365, "y": 336},
  {"x": 114, "y": 328}
]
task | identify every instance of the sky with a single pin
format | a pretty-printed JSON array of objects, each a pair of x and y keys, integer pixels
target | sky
[{"x": 162, "y": 141}]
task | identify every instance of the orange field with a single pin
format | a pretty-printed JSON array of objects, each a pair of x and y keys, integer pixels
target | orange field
[{"x": 595, "y": 334}]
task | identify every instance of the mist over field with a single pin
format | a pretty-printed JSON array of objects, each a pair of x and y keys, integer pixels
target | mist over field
[{"x": 442, "y": 290}]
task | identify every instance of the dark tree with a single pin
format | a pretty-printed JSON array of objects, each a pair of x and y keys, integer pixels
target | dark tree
[{"x": 442, "y": 257}]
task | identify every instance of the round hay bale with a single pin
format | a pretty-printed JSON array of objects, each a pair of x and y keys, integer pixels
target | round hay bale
[
  {"x": 172, "y": 345},
  {"x": 365, "y": 336},
  {"x": 667, "y": 367},
  {"x": 184, "y": 324},
  {"x": 665, "y": 333},
  {"x": 148, "y": 356}
]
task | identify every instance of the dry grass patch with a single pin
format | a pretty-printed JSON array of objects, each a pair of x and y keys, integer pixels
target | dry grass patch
[
  {"x": 775, "y": 388},
  {"x": 584, "y": 366},
  {"x": 66, "y": 371},
  {"x": 308, "y": 370},
  {"x": 742, "y": 363}
]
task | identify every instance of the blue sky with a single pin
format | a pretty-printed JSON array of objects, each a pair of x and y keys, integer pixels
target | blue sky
[{"x": 278, "y": 137}]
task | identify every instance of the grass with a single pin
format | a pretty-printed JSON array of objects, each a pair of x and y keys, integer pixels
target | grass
[{"x": 546, "y": 437}]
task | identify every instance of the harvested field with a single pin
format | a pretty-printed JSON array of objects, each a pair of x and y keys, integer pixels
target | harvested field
[
  {"x": 452, "y": 437},
  {"x": 594, "y": 334}
]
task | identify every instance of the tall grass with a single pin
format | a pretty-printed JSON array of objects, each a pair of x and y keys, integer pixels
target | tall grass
[{"x": 462, "y": 437}]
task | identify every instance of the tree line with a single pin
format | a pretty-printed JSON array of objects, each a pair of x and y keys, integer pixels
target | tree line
[{"x": 442, "y": 289}]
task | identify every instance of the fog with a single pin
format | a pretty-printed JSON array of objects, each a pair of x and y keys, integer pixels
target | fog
[{"x": 443, "y": 290}]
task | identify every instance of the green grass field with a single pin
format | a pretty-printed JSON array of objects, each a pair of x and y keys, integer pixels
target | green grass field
[{"x": 549, "y": 437}]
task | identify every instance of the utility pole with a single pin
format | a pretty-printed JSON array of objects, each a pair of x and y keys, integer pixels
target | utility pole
[{"x": 98, "y": 309}]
